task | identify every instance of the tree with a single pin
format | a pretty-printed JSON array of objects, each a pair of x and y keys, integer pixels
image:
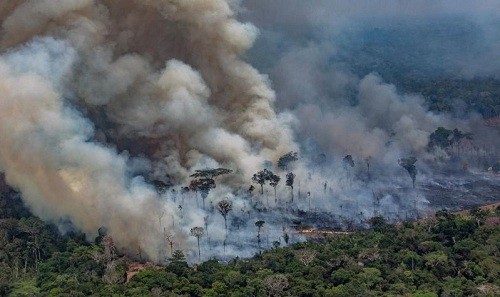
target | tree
[
  {"x": 184, "y": 191},
  {"x": 161, "y": 186},
  {"x": 205, "y": 221},
  {"x": 210, "y": 173},
  {"x": 378, "y": 223},
  {"x": 286, "y": 237},
  {"x": 109, "y": 248},
  {"x": 205, "y": 181},
  {"x": 290, "y": 178},
  {"x": 368, "y": 162},
  {"x": 205, "y": 185},
  {"x": 306, "y": 256},
  {"x": 198, "y": 233},
  {"x": 274, "y": 181},
  {"x": 479, "y": 215},
  {"x": 285, "y": 160},
  {"x": 224, "y": 207},
  {"x": 444, "y": 138},
  {"x": 259, "y": 224},
  {"x": 440, "y": 138},
  {"x": 276, "y": 284},
  {"x": 170, "y": 241},
  {"x": 458, "y": 135},
  {"x": 32, "y": 227},
  {"x": 178, "y": 256},
  {"x": 409, "y": 165},
  {"x": 261, "y": 178},
  {"x": 348, "y": 161},
  {"x": 276, "y": 244},
  {"x": 194, "y": 186}
]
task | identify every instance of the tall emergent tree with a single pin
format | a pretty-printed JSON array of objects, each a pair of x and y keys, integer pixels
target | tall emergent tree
[
  {"x": 204, "y": 186},
  {"x": 274, "y": 181},
  {"x": 259, "y": 224},
  {"x": 170, "y": 241},
  {"x": 198, "y": 233},
  {"x": 194, "y": 186},
  {"x": 204, "y": 181},
  {"x": 290, "y": 178},
  {"x": 224, "y": 207},
  {"x": 205, "y": 221},
  {"x": 409, "y": 165},
  {"x": 261, "y": 178},
  {"x": 285, "y": 160},
  {"x": 347, "y": 163}
]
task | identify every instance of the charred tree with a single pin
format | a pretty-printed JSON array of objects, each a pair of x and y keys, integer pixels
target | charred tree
[
  {"x": 290, "y": 178},
  {"x": 285, "y": 160},
  {"x": 409, "y": 165},
  {"x": 274, "y": 181},
  {"x": 259, "y": 224},
  {"x": 198, "y": 233}
]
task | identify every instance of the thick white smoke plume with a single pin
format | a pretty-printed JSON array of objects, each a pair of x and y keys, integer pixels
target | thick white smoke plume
[
  {"x": 84, "y": 81},
  {"x": 101, "y": 99}
]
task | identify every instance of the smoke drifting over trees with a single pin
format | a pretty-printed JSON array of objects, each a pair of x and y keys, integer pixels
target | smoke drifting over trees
[
  {"x": 100, "y": 100},
  {"x": 92, "y": 98}
]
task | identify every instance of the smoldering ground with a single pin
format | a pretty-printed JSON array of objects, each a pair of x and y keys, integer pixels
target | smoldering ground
[{"x": 101, "y": 97}]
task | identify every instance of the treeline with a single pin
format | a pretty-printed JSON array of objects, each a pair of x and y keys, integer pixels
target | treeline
[
  {"x": 479, "y": 95},
  {"x": 450, "y": 255}
]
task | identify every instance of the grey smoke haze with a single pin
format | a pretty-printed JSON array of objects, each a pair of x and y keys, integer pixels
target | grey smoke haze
[
  {"x": 459, "y": 36},
  {"x": 84, "y": 82},
  {"x": 328, "y": 61},
  {"x": 99, "y": 97}
]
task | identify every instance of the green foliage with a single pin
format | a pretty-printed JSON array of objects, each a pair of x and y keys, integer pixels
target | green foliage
[
  {"x": 451, "y": 255},
  {"x": 444, "y": 138}
]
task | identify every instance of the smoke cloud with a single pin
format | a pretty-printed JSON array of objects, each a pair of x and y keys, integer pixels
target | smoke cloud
[
  {"x": 329, "y": 62},
  {"x": 92, "y": 91},
  {"x": 100, "y": 99}
]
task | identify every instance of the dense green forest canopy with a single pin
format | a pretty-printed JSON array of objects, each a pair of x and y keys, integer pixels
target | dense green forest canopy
[{"x": 450, "y": 255}]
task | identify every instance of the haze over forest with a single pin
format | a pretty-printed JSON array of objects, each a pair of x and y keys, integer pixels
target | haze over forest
[{"x": 222, "y": 125}]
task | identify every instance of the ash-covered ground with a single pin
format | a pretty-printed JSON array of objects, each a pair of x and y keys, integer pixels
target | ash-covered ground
[{"x": 458, "y": 190}]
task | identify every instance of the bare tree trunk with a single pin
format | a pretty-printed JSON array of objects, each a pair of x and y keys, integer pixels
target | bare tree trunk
[
  {"x": 299, "y": 190},
  {"x": 225, "y": 224},
  {"x": 258, "y": 241},
  {"x": 199, "y": 251},
  {"x": 25, "y": 265},
  {"x": 206, "y": 228}
]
